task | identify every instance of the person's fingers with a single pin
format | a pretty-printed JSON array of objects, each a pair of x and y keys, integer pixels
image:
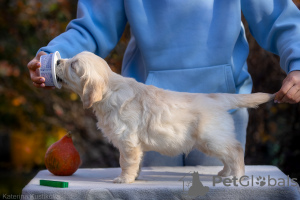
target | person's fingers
[
  {"x": 289, "y": 88},
  {"x": 38, "y": 79},
  {"x": 286, "y": 86},
  {"x": 38, "y": 56},
  {"x": 42, "y": 85},
  {"x": 34, "y": 64},
  {"x": 35, "y": 77},
  {"x": 297, "y": 96},
  {"x": 289, "y": 97}
]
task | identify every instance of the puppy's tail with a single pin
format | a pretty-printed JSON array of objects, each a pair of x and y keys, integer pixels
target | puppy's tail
[{"x": 232, "y": 101}]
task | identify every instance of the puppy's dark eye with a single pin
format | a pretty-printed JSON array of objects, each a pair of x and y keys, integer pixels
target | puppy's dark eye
[{"x": 73, "y": 66}]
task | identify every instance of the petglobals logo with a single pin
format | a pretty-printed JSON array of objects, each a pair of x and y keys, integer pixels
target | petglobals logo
[
  {"x": 193, "y": 187},
  {"x": 246, "y": 181}
]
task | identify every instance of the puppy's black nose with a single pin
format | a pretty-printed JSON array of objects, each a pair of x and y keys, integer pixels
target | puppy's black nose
[{"x": 58, "y": 62}]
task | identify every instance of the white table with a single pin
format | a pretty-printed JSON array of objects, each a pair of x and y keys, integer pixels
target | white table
[{"x": 164, "y": 183}]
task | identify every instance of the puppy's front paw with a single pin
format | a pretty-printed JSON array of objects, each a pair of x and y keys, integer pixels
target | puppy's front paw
[{"x": 122, "y": 179}]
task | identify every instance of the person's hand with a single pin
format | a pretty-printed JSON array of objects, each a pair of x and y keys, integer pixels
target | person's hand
[
  {"x": 290, "y": 89},
  {"x": 33, "y": 65}
]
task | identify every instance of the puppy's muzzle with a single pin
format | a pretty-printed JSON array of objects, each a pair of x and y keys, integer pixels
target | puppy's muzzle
[
  {"x": 58, "y": 70},
  {"x": 58, "y": 62}
]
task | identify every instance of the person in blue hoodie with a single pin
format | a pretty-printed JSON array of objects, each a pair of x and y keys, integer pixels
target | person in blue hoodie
[{"x": 196, "y": 46}]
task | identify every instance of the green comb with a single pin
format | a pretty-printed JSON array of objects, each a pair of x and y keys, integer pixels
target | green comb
[{"x": 58, "y": 184}]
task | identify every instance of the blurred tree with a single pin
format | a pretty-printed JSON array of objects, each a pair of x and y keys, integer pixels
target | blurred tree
[{"x": 32, "y": 119}]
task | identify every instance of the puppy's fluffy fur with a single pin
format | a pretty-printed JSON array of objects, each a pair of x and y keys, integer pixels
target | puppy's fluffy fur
[{"x": 136, "y": 117}]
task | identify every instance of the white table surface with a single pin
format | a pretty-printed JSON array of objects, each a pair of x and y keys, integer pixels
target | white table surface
[{"x": 162, "y": 183}]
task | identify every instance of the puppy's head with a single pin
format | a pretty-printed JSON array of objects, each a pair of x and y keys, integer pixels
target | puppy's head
[{"x": 86, "y": 74}]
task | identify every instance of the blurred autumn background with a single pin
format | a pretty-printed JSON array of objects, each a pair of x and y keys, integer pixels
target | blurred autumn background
[{"x": 32, "y": 119}]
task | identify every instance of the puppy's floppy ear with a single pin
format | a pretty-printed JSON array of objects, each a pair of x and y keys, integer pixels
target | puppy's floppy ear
[{"x": 92, "y": 90}]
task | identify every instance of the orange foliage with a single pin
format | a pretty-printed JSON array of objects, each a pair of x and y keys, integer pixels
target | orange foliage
[{"x": 28, "y": 150}]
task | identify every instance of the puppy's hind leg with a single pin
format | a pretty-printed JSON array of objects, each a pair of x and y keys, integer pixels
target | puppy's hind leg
[
  {"x": 130, "y": 159},
  {"x": 217, "y": 139},
  {"x": 226, "y": 170},
  {"x": 235, "y": 159},
  {"x": 231, "y": 155}
]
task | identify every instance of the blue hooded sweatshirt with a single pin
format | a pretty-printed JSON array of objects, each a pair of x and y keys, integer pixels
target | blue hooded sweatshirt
[{"x": 187, "y": 46}]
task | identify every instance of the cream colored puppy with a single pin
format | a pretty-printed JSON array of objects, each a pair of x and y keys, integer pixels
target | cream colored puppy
[{"x": 137, "y": 118}]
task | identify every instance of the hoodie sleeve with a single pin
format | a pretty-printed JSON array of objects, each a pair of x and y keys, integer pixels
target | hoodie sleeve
[
  {"x": 97, "y": 28},
  {"x": 275, "y": 24}
]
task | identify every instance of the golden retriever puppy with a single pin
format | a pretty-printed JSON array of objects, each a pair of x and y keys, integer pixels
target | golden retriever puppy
[{"x": 137, "y": 118}]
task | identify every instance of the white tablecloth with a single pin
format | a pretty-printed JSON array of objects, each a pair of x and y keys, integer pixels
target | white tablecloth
[{"x": 165, "y": 183}]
